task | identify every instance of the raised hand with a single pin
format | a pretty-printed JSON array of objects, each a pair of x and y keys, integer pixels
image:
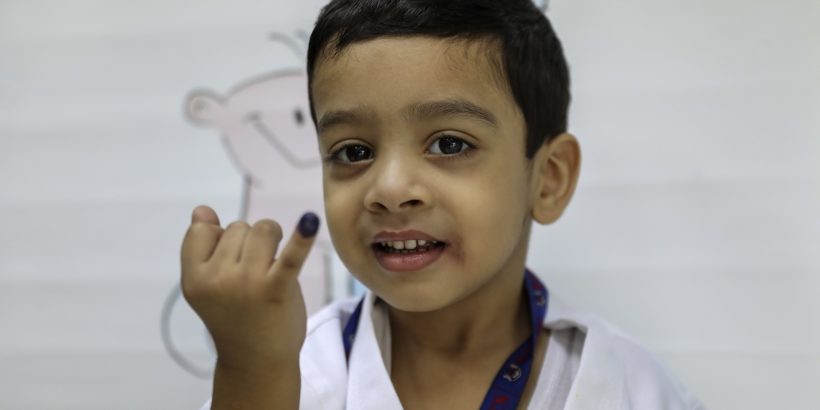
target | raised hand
[{"x": 247, "y": 296}]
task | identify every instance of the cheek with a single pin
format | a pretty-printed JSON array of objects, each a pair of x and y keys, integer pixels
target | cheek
[
  {"x": 339, "y": 208},
  {"x": 343, "y": 208},
  {"x": 492, "y": 218}
]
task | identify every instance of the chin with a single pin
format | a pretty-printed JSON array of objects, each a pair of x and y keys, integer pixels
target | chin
[
  {"x": 416, "y": 297},
  {"x": 412, "y": 305}
]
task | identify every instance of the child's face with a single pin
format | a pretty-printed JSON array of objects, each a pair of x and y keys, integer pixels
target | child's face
[{"x": 424, "y": 144}]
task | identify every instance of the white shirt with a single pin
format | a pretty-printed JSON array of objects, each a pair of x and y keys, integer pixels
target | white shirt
[{"x": 600, "y": 368}]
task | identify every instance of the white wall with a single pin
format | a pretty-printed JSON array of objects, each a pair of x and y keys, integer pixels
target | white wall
[
  {"x": 697, "y": 221},
  {"x": 695, "y": 226}
]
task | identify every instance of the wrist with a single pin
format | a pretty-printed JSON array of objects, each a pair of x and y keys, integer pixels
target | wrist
[
  {"x": 268, "y": 386},
  {"x": 267, "y": 367}
]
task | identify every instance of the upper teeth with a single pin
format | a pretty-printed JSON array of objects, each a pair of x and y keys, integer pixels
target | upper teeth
[{"x": 408, "y": 244}]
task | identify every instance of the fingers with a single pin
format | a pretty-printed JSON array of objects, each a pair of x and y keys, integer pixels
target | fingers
[
  {"x": 261, "y": 244},
  {"x": 253, "y": 247},
  {"x": 202, "y": 236},
  {"x": 229, "y": 248},
  {"x": 204, "y": 213},
  {"x": 290, "y": 260}
]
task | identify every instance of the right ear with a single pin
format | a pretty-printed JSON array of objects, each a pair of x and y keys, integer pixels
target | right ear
[{"x": 202, "y": 107}]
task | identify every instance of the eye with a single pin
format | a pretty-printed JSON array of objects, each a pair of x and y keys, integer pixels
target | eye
[
  {"x": 298, "y": 116},
  {"x": 448, "y": 145},
  {"x": 352, "y": 153}
]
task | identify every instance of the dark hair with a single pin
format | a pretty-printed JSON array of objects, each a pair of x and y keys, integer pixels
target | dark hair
[{"x": 533, "y": 59}]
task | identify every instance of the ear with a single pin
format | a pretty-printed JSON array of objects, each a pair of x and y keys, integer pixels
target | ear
[
  {"x": 555, "y": 169},
  {"x": 202, "y": 107}
]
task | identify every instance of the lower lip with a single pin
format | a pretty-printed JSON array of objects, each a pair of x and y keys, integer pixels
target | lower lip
[{"x": 408, "y": 262}]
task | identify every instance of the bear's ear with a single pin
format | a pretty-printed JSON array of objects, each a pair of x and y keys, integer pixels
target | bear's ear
[
  {"x": 202, "y": 107},
  {"x": 298, "y": 48},
  {"x": 542, "y": 4}
]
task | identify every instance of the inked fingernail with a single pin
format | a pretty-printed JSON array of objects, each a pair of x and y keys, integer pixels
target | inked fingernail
[{"x": 308, "y": 225}]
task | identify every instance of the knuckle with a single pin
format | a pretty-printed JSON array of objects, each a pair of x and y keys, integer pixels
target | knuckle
[
  {"x": 290, "y": 263},
  {"x": 206, "y": 286},
  {"x": 228, "y": 279},
  {"x": 231, "y": 270},
  {"x": 200, "y": 229},
  {"x": 268, "y": 227},
  {"x": 240, "y": 225},
  {"x": 242, "y": 268}
]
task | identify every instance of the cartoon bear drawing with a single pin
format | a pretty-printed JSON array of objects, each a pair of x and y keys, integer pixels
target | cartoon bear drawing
[{"x": 267, "y": 131}]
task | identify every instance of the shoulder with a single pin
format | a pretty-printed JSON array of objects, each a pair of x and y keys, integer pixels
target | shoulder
[
  {"x": 615, "y": 370},
  {"x": 648, "y": 384}
]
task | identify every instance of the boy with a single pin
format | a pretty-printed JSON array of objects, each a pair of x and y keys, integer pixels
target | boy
[{"x": 443, "y": 127}]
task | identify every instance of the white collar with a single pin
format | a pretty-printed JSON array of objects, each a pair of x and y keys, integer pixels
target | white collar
[
  {"x": 369, "y": 383},
  {"x": 599, "y": 382}
]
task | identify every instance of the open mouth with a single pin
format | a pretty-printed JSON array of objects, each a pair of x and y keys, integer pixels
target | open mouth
[
  {"x": 395, "y": 253},
  {"x": 408, "y": 246}
]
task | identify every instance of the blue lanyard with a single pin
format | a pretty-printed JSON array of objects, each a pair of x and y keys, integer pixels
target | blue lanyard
[{"x": 509, "y": 383}]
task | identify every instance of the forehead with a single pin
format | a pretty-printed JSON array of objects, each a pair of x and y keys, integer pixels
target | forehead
[{"x": 387, "y": 73}]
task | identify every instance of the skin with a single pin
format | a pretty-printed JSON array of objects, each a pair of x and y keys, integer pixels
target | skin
[
  {"x": 464, "y": 313},
  {"x": 461, "y": 315},
  {"x": 251, "y": 304}
]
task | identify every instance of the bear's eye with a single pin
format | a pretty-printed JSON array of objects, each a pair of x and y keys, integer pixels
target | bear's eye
[{"x": 298, "y": 116}]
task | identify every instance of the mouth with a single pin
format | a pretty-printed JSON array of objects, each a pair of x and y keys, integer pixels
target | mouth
[
  {"x": 407, "y": 251},
  {"x": 407, "y": 246}
]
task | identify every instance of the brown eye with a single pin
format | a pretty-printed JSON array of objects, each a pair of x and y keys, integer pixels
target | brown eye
[
  {"x": 448, "y": 145},
  {"x": 353, "y": 153}
]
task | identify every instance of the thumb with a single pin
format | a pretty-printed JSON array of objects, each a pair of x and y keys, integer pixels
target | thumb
[
  {"x": 205, "y": 214},
  {"x": 290, "y": 261}
]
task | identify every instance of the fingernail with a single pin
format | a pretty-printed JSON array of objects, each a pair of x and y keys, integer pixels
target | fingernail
[{"x": 308, "y": 225}]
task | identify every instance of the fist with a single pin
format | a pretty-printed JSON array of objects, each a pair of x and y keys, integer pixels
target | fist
[{"x": 248, "y": 296}]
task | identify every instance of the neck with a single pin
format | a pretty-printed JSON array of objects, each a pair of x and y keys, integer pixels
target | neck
[{"x": 492, "y": 318}]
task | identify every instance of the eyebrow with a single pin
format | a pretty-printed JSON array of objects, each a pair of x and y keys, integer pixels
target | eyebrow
[
  {"x": 415, "y": 111},
  {"x": 339, "y": 117},
  {"x": 447, "y": 108}
]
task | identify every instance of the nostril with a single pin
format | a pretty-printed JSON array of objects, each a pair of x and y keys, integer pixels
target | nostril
[
  {"x": 378, "y": 206},
  {"x": 412, "y": 203}
]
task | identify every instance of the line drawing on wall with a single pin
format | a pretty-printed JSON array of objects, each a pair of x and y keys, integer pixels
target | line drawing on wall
[{"x": 267, "y": 132}]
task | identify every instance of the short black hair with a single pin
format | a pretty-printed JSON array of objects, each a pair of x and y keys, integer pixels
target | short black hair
[{"x": 533, "y": 59}]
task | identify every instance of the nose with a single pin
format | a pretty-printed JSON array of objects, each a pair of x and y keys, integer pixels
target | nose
[{"x": 397, "y": 187}]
